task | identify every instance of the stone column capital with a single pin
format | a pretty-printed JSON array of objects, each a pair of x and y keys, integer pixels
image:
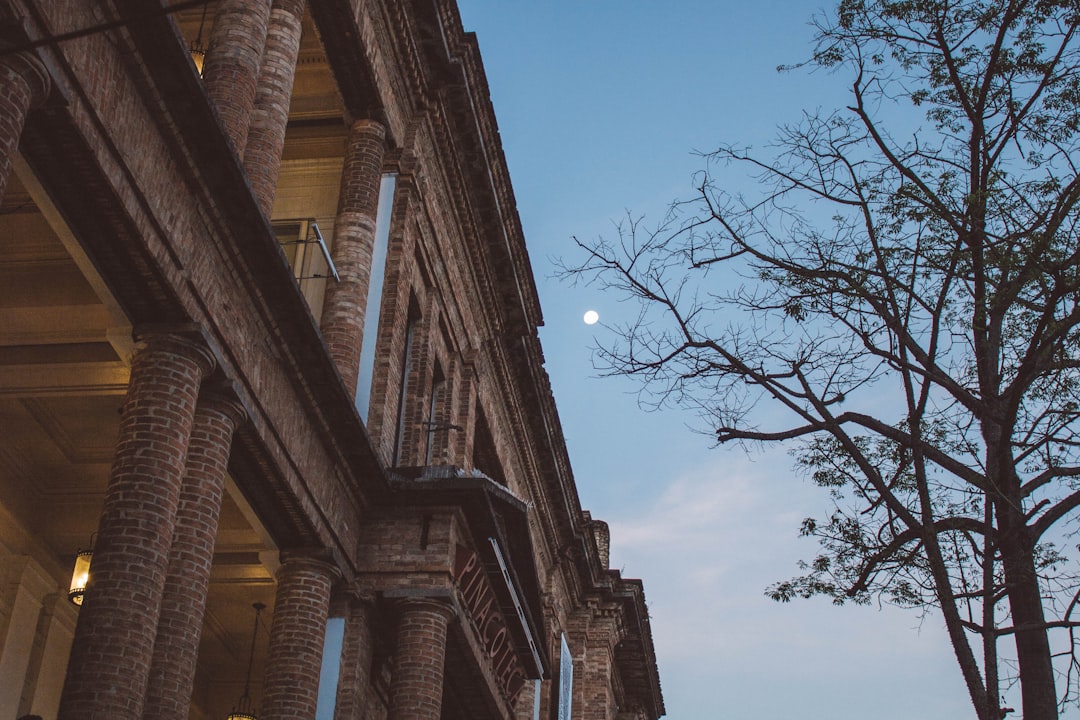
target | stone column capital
[
  {"x": 32, "y": 71},
  {"x": 183, "y": 340},
  {"x": 24, "y": 84},
  {"x": 316, "y": 560},
  {"x": 367, "y": 126},
  {"x": 426, "y": 603},
  {"x": 222, "y": 396}
]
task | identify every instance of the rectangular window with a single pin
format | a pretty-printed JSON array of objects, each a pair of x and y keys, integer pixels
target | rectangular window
[
  {"x": 331, "y": 668},
  {"x": 374, "y": 296},
  {"x": 566, "y": 680},
  {"x": 485, "y": 455}
]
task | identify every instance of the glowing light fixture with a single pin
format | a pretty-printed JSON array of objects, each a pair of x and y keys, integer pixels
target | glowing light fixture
[
  {"x": 245, "y": 709},
  {"x": 198, "y": 47},
  {"x": 80, "y": 576}
]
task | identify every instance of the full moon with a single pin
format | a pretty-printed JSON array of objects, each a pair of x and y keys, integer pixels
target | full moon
[{"x": 591, "y": 317}]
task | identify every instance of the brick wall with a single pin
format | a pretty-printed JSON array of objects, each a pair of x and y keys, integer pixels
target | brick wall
[{"x": 160, "y": 201}]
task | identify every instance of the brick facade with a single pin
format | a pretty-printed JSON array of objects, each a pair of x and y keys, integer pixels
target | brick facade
[{"x": 427, "y": 560}]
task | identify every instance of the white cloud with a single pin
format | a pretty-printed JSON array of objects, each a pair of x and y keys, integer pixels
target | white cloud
[
  {"x": 709, "y": 544},
  {"x": 717, "y": 516}
]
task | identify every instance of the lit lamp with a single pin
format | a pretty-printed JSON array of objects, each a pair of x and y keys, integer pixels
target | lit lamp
[
  {"x": 80, "y": 576},
  {"x": 198, "y": 48},
  {"x": 245, "y": 709}
]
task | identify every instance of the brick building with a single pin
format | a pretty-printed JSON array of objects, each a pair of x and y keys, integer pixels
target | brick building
[{"x": 268, "y": 338}]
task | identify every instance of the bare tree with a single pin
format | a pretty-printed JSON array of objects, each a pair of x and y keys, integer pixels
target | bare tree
[{"x": 900, "y": 299}]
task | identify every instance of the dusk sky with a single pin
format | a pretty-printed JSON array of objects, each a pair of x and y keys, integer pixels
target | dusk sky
[{"x": 602, "y": 105}]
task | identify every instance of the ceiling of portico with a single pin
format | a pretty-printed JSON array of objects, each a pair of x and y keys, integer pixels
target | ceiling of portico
[
  {"x": 64, "y": 343},
  {"x": 63, "y": 375}
]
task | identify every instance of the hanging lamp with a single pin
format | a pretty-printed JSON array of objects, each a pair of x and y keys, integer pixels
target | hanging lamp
[
  {"x": 80, "y": 575},
  {"x": 244, "y": 708},
  {"x": 198, "y": 47}
]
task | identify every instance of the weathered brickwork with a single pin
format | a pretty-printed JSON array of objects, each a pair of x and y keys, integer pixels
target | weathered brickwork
[
  {"x": 356, "y": 684},
  {"x": 231, "y": 69},
  {"x": 354, "y": 236},
  {"x": 119, "y": 618},
  {"x": 594, "y": 633},
  {"x": 419, "y": 657},
  {"x": 266, "y": 135},
  {"x": 431, "y": 558},
  {"x": 176, "y": 647},
  {"x": 404, "y": 292},
  {"x": 301, "y": 608},
  {"x": 23, "y": 84}
]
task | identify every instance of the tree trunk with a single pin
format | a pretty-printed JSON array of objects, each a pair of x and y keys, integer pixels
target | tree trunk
[
  {"x": 989, "y": 613},
  {"x": 1025, "y": 601},
  {"x": 1017, "y": 547}
]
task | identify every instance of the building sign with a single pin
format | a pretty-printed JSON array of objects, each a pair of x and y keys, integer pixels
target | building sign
[
  {"x": 566, "y": 679},
  {"x": 488, "y": 621}
]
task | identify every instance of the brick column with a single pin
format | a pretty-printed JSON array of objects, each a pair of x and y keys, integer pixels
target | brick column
[
  {"x": 24, "y": 84},
  {"x": 463, "y": 442},
  {"x": 354, "y": 242},
  {"x": 354, "y": 683},
  {"x": 594, "y": 633},
  {"x": 526, "y": 702},
  {"x": 233, "y": 58},
  {"x": 419, "y": 660},
  {"x": 176, "y": 650},
  {"x": 602, "y": 535},
  {"x": 301, "y": 608},
  {"x": 266, "y": 136},
  {"x": 114, "y": 638}
]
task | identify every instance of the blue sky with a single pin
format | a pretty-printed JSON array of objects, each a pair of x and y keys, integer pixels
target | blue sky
[{"x": 601, "y": 105}]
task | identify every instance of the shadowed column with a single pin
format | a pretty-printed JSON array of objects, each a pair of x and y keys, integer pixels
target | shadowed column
[
  {"x": 354, "y": 683},
  {"x": 266, "y": 136},
  {"x": 419, "y": 661},
  {"x": 114, "y": 639},
  {"x": 301, "y": 609},
  {"x": 24, "y": 84},
  {"x": 233, "y": 58},
  {"x": 354, "y": 240},
  {"x": 594, "y": 633},
  {"x": 176, "y": 650}
]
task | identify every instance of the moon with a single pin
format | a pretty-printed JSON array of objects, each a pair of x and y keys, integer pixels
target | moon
[{"x": 591, "y": 317}]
